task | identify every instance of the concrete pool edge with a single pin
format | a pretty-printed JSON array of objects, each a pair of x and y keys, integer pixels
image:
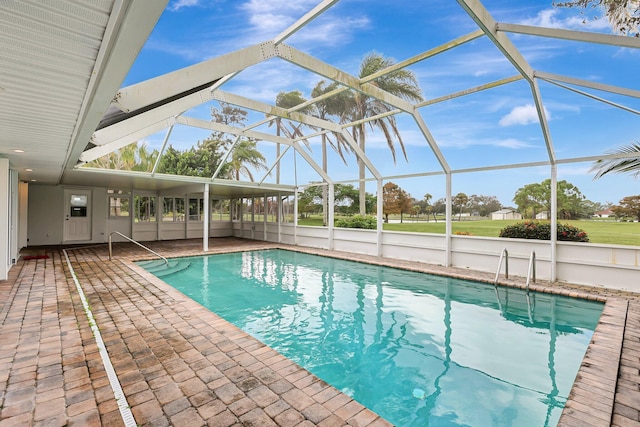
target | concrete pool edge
[
  {"x": 593, "y": 392},
  {"x": 592, "y": 397}
]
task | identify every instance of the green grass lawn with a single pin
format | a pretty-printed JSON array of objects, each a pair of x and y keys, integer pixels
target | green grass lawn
[{"x": 618, "y": 233}]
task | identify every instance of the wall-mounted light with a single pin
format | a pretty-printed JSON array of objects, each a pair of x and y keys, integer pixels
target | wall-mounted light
[{"x": 28, "y": 170}]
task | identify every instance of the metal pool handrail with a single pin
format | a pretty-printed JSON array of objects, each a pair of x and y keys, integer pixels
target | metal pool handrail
[
  {"x": 133, "y": 241},
  {"x": 532, "y": 268},
  {"x": 504, "y": 255}
]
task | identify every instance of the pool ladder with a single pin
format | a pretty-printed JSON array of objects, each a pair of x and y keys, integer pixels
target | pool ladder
[
  {"x": 504, "y": 256},
  {"x": 531, "y": 271}
]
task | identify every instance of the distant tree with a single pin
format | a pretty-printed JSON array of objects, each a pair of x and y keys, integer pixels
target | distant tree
[
  {"x": 201, "y": 160},
  {"x": 628, "y": 207},
  {"x": 440, "y": 206},
  {"x": 460, "y": 200},
  {"x": 309, "y": 201},
  {"x": 484, "y": 205},
  {"x": 624, "y": 165},
  {"x": 346, "y": 199},
  {"x": 536, "y": 198},
  {"x": 415, "y": 210},
  {"x": 624, "y": 15},
  {"x": 395, "y": 201},
  {"x": 532, "y": 198}
]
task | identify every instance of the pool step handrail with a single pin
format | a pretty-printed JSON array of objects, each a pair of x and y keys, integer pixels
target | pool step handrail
[
  {"x": 133, "y": 241},
  {"x": 503, "y": 256},
  {"x": 531, "y": 271}
]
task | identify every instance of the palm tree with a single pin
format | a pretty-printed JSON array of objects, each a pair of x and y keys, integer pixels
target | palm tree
[
  {"x": 401, "y": 83},
  {"x": 336, "y": 105},
  {"x": 133, "y": 157},
  {"x": 625, "y": 165},
  {"x": 287, "y": 129},
  {"x": 244, "y": 158}
]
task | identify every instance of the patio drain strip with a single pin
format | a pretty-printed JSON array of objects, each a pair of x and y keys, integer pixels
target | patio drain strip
[{"x": 121, "y": 400}]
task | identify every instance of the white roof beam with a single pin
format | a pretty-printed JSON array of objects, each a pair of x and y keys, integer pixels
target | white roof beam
[
  {"x": 470, "y": 90},
  {"x": 157, "y": 89},
  {"x": 488, "y": 25},
  {"x": 427, "y": 54},
  {"x": 360, "y": 154},
  {"x": 275, "y": 163},
  {"x": 310, "y": 63},
  {"x": 431, "y": 141},
  {"x": 586, "y": 83},
  {"x": 221, "y": 127},
  {"x": 582, "y": 36},
  {"x": 151, "y": 117},
  {"x": 273, "y": 110},
  {"x": 485, "y": 21},
  {"x": 129, "y": 138},
  {"x": 300, "y": 23},
  {"x": 225, "y": 157},
  {"x": 597, "y": 98}
]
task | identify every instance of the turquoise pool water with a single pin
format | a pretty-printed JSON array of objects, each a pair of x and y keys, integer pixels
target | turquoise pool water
[{"x": 418, "y": 349}]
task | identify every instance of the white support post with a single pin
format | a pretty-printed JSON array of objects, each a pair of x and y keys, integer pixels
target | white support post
[
  {"x": 448, "y": 219},
  {"x": 205, "y": 220},
  {"x": 330, "y": 214},
  {"x": 379, "y": 209},
  {"x": 554, "y": 221},
  {"x": 295, "y": 216},
  {"x": 280, "y": 214},
  {"x": 264, "y": 217}
]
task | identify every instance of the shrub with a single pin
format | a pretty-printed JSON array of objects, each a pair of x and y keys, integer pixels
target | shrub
[
  {"x": 542, "y": 231},
  {"x": 357, "y": 221}
]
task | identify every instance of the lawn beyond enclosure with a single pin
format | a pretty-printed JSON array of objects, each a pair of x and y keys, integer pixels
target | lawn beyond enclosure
[{"x": 618, "y": 233}]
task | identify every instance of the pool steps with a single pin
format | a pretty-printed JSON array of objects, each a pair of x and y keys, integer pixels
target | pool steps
[{"x": 159, "y": 269}]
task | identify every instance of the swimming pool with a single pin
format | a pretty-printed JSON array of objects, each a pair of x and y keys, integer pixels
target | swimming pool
[{"x": 415, "y": 348}]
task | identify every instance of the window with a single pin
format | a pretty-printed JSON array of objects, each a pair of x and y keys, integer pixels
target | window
[
  {"x": 271, "y": 208},
  {"x": 119, "y": 202},
  {"x": 172, "y": 209},
  {"x": 145, "y": 208},
  {"x": 196, "y": 209},
  {"x": 221, "y": 210},
  {"x": 288, "y": 204}
]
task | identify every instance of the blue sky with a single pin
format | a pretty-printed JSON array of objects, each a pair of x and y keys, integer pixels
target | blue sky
[{"x": 493, "y": 127}]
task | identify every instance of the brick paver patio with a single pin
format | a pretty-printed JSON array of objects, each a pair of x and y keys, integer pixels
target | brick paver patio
[{"x": 179, "y": 364}]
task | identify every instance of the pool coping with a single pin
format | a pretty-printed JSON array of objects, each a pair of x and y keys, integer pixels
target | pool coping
[{"x": 592, "y": 396}]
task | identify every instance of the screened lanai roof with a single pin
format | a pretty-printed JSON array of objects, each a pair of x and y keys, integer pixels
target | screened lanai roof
[{"x": 486, "y": 60}]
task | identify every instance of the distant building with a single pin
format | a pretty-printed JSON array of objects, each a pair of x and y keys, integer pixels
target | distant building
[
  {"x": 506, "y": 213},
  {"x": 542, "y": 215},
  {"x": 605, "y": 213}
]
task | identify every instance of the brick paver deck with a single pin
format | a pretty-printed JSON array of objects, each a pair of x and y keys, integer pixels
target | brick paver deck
[{"x": 179, "y": 364}]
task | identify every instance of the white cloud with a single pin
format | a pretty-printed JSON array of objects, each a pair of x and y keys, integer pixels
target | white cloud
[
  {"x": 522, "y": 115},
  {"x": 179, "y": 4}
]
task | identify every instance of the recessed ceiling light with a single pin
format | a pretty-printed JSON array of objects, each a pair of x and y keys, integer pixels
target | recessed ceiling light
[
  {"x": 17, "y": 150},
  {"x": 33, "y": 180},
  {"x": 29, "y": 170}
]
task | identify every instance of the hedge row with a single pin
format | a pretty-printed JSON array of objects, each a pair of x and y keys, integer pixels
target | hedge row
[
  {"x": 542, "y": 231},
  {"x": 357, "y": 221}
]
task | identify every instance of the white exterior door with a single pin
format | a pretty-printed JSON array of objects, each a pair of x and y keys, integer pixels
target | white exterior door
[{"x": 77, "y": 216}]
